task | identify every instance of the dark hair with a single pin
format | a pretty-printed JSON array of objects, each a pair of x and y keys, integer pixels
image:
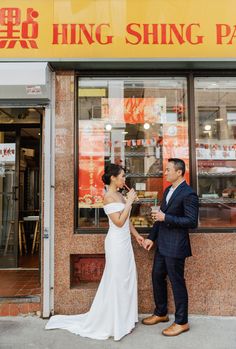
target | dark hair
[
  {"x": 111, "y": 170},
  {"x": 179, "y": 164}
]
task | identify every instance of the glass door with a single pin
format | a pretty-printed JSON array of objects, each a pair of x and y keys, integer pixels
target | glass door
[{"x": 8, "y": 199}]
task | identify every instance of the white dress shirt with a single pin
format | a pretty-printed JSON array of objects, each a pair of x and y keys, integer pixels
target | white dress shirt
[{"x": 170, "y": 192}]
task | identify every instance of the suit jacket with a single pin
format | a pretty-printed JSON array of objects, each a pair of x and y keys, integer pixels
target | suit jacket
[{"x": 181, "y": 213}]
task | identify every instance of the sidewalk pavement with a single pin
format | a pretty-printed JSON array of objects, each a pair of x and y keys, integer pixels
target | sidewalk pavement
[{"x": 207, "y": 332}]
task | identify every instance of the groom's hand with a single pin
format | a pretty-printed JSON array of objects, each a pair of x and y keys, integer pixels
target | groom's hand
[
  {"x": 147, "y": 244},
  {"x": 158, "y": 216}
]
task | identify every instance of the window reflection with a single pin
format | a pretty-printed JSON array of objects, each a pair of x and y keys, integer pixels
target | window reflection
[
  {"x": 138, "y": 123},
  {"x": 20, "y": 115},
  {"x": 216, "y": 150}
]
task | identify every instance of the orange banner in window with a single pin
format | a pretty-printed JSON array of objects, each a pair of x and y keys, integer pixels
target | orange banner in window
[
  {"x": 175, "y": 145},
  {"x": 134, "y": 110},
  {"x": 91, "y": 164}
]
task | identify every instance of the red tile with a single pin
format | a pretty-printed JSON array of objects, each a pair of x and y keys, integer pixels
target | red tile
[
  {"x": 4, "y": 309},
  {"x": 7, "y": 292},
  {"x": 35, "y": 291},
  {"x": 33, "y": 307},
  {"x": 24, "y": 308},
  {"x": 19, "y": 282},
  {"x": 21, "y": 293},
  {"x": 14, "y": 309}
]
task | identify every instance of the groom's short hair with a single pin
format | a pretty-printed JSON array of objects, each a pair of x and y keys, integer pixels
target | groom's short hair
[{"x": 179, "y": 164}]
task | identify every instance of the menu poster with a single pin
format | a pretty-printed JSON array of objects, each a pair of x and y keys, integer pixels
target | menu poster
[
  {"x": 175, "y": 145},
  {"x": 7, "y": 152},
  {"x": 91, "y": 187},
  {"x": 91, "y": 164}
]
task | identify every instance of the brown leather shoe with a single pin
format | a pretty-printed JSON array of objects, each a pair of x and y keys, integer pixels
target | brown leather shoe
[
  {"x": 154, "y": 319},
  {"x": 175, "y": 329}
]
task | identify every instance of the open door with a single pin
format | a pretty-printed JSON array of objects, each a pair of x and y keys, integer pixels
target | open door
[
  {"x": 20, "y": 178},
  {"x": 9, "y": 191}
]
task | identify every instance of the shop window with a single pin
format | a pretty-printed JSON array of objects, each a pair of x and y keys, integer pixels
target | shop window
[
  {"x": 137, "y": 123},
  {"x": 216, "y": 150}
]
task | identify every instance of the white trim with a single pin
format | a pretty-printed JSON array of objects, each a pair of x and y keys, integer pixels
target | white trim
[
  {"x": 48, "y": 210},
  {"x": 46, "y": 213},
  {"x": 52, "y": 193},
  {"x": 23, "y": 73}
]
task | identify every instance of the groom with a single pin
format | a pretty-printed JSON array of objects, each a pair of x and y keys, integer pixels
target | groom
[{"x": 178, "y": 213}]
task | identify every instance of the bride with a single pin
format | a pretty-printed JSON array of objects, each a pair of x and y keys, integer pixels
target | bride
[{"x": 114, "y": 310}]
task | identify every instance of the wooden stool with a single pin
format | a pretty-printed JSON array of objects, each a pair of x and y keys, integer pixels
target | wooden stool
[
  {"x": 35, "y": 245},
  {"x": 22, "y": 239},
  {"x": 10, "y": 240}
]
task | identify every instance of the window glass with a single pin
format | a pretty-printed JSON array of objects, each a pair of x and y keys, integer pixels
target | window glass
[
  {"x": 20, "y": 115},
  {"x": 216, "y": 150},
  {"x": 137, "y": 123}
]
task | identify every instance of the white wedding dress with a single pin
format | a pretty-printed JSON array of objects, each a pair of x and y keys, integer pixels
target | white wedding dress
[{"x": 114, "y": 310}]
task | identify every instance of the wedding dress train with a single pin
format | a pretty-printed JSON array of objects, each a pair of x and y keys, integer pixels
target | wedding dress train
[{"x": 114, "y": 310}]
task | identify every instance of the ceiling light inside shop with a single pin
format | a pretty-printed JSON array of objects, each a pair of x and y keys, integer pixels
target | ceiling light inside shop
[
  {"x": 146, "y": 126},
  {"x": 108, "y": 127},
  {"x": 124, "y": 132},
  {"x": 207, "y": 127},
  {"x": 219, "y": 119}
]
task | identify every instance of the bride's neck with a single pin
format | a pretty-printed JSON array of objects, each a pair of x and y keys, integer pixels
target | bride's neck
[{"x": 112, "y": 188}]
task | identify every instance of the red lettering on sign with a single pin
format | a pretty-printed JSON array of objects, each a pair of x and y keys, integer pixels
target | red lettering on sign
[
  {"x": 162, "y": 34},
  {"x": 13, "y": 29},
  {"x": 130, "y": 30},
  {"x": 225, "y": 34},
  {"x": 80, "y": 34}
]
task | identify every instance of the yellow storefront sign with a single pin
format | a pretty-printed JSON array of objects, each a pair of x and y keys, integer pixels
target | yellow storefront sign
[{"x": 80, "y": 29}]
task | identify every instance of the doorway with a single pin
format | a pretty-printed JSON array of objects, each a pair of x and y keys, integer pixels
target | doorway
[{"x": 20, "y": 188}]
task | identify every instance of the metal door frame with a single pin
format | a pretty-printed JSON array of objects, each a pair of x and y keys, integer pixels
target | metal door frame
[
  {"x": 15, "y": 195},
  {"x": 48, "y": 176},
  {"x": 17, "y": 129}
]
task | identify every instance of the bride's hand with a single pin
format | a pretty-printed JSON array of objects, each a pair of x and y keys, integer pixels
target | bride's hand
[
  {"x": 139, "y": 239},
  {"x": 131, "y": 196}
]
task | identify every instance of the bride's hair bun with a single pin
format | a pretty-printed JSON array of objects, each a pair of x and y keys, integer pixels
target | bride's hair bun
[
  {"x": 105, "y": 179},
  {"x": 111, "y": 170}
]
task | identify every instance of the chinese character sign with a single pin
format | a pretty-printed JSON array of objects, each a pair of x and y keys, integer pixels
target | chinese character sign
[{"x": 17, "y": 27}]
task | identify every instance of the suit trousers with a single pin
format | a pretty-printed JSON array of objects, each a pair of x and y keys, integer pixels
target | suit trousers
[{"x": 174, "y": 268}]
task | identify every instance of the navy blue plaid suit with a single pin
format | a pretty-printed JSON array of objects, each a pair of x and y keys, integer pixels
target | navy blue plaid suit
[{"x": 173, "y": 246}]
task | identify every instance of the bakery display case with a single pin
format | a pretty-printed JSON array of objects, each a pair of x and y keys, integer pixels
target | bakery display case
[
  {"x": 137, "y": 123},
  {"x": 144, "y": 173},
  {"x": 216, "y": 151},
  {"x": 217, "y": 192}
]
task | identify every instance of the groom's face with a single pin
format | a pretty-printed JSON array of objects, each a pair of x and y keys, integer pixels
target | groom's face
[{"x": 172, "y": 175}]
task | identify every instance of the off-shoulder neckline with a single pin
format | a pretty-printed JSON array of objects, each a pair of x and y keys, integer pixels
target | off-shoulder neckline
[{"x": 114, "y": 203}]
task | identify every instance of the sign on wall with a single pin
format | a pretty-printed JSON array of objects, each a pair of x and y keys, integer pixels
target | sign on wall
[
  {"x": 56, "y": 29},
  {"x": 7, "y": 152}
]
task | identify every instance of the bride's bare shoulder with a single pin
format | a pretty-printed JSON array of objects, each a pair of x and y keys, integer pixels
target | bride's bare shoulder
[{"x": 108, "y": 199}]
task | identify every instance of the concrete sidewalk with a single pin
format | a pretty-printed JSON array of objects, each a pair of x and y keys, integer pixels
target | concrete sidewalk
[{"x": 206, "y": 333}]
